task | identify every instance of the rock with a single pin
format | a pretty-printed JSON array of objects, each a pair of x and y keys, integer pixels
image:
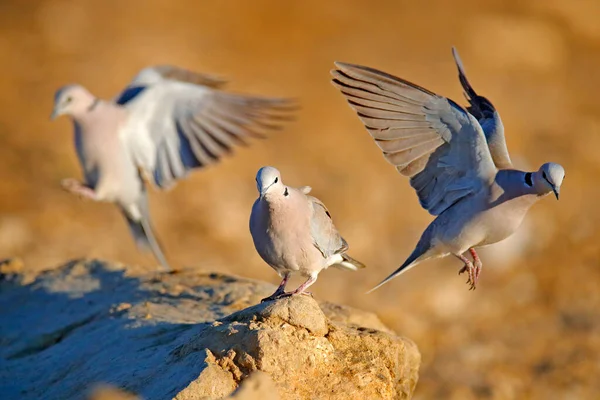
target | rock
[
  {"x": 11, "y": 269},
  {"x": 258, "y": 386},
  {"x": 105, "y": 392},
  {"x": 190, "y": 335}
]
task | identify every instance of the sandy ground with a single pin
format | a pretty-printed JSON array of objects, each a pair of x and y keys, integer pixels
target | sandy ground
[{"x": 531, "y": 328}]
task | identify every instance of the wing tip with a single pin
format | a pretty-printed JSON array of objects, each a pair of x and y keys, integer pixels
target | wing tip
[
  {"x": 455, "y": 52},
  {"x": 458, "y": 61}
]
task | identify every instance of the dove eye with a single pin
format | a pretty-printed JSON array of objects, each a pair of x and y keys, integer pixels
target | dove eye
[
  {"x": 68, "y": 100},
  {"x": 276, "y": 180},
  {"x": 546, "y": 178}
]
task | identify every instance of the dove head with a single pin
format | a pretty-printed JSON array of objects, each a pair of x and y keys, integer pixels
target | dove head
[
  {"x": 267, "y": 178},
  {"x": 72, "y": 100},
  {"x": 549, "y": 178}
]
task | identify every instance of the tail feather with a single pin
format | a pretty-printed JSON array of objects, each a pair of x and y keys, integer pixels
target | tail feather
[
  {"x": 155, "y": 245},
  {"x": 350, "y": 263},
  {"x": 144, "y": 234},
  {"x": 416, "y": 256}
]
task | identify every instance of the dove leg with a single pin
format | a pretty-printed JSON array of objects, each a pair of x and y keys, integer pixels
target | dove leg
[
  {"x": 470, "y": 269},
  {"x": 280, "y": 289},
  {"x": 77, "y": 188},
  {"x": 302, "y": 288},
  {"x": 478, "y": 264}
]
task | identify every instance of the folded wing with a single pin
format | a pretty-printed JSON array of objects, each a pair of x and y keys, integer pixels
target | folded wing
[
  {"x": 179, "y": 120},
  {"x": 325, "y": 236},
  {"x": 429, "y": 138}
]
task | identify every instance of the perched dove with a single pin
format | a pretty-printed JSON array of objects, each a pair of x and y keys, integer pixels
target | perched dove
[
  {"x": 165, "y": 123},
  {"x": 293, "y": 232},
  {"x": 456, "y": 159}
]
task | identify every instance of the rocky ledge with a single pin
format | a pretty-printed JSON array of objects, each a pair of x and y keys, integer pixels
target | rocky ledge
[{"x": 188, "y": 335}]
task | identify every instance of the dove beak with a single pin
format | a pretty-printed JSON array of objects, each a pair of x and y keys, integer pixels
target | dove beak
[
  {"x": 55, "y": 114},
  {"x": 264, "y": 191},
  {"x": 556, "y": 191}
]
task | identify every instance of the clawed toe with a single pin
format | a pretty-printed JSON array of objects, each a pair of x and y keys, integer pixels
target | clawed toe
[
  {"x": 77, "y": 188},
  {"x": 473, "y": 275},
  {"x": 69, "y": 184},
  {"x": 279, "y": 293},
  {"x": 276, "y": 296}
]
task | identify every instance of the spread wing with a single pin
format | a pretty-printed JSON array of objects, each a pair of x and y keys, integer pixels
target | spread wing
[
  {"x": 179, "y": 120},
  {"x": 325, "y": 236},
  {"x": 487, "y": 116},
  {"x": 429, "y": 138}
]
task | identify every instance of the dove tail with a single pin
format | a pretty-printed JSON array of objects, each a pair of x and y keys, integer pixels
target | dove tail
[
  {"x": 144, "y": 234},
  {"x": 350, "y": 263},
  {"x": 416, "y": 257}
]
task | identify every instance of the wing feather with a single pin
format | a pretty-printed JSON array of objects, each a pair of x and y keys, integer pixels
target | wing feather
[
  {"x": 489, "y": 119},
  {"x": 400, "y": 144},
  {"x": 429, "y": 138},
  {"x": 179, "y": 121},
  {"x": 325, "y": 236}
]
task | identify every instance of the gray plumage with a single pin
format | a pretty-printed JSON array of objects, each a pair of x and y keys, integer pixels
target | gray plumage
[
  {"x": 456, "y": 159},
  {"x": 166, "y": 122},
  {"x": 487, "y": 116},
  {"x": 294, "y": 232}
]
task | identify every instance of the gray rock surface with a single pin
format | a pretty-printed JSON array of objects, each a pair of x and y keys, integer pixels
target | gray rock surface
[{"x": 187, "y": 335}]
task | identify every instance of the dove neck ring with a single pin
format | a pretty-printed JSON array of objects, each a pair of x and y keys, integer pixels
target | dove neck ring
[
  {"x": 528, "y": 180},
  {"x": 93, "y": 105}
]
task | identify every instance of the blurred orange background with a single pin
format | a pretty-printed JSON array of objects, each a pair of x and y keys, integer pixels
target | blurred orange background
[{"x": 530, "y": 330}]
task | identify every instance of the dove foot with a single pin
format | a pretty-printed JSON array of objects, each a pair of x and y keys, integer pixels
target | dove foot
[
  {"x": 471, "y": 271},
  {"x": 280, "y": 292},
  {"x": 477, "y": 263},
  {"x": 302, "y": 288},
  {"x": 274, "y": 296},
  {"x": 77, "y": 188},
  {"x": 277, "y": 296}
]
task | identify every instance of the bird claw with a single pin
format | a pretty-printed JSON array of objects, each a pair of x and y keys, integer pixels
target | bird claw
[
  {"x": 276, "y": 296},
  {"x": 69, "y": 184},
  {"x": 282, "y": 295},
  {"x": 75, "y": 187},
  {"x": 473, "y": 274}
]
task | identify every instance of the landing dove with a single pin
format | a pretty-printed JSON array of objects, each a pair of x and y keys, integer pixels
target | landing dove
[
  {"x": 456, "y": 159},
  {"x": 166, "y": 122},
  {"x": 294, "y": 233}
]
